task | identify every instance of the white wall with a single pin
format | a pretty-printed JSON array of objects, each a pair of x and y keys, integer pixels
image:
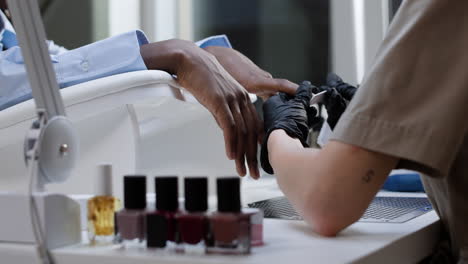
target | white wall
[
  {"x": 124, "y": 15},
  {"x": 159, "y": 19},
  {"x": 343, "y": 41},
  {"x": 358, "y": 27}
]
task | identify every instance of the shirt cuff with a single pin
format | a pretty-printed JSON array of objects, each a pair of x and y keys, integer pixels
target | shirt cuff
[{"x": 219, "y": 40}]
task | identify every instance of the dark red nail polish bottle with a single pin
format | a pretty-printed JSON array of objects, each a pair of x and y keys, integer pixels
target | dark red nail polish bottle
[
  {"x": 131, "y": 219},
  {"x": 192, "y": 224},
  {"x": 230, "y": 227},
  {"x": 167, "y": 205},
  {"x": 156, "y": 232}
]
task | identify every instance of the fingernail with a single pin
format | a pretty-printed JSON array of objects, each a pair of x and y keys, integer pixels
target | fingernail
[
  {"x": 254, "y": 174},
  {"x": 240, "y": 171}
]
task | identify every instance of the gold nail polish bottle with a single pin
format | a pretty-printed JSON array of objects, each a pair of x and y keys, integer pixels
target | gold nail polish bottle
[{"x": 102, "y": 207}]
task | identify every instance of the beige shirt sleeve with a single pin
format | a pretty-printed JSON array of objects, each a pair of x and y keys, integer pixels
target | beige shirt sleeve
[{"x": 413, "y": 102}]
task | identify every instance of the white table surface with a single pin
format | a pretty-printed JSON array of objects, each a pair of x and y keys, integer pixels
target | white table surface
[{"x": 285, "y": 242}]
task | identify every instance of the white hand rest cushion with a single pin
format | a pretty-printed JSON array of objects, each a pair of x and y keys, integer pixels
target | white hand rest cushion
[
  {"x": 99, "y": 111},
  {"x": 132, "y": 120}
]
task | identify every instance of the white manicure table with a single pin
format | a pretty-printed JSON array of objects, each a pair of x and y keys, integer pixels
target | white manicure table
[
  {"x": 285, "y": 241},
  {"x": 135, "y": 122}
]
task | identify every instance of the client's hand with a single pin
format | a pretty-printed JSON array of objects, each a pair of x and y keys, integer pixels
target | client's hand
[
  {"x": 201, "y": 74},
  {"x": 249, "y": 75},
  {"x": 290, "y": 113}
]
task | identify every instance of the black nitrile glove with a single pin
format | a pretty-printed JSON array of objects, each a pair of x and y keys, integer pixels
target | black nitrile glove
[
  {"x": 346, "y": 90},
  {"x": 337, "y": 97},
  {"x": 335, "y": 105},
  {"x": 290, "y": 113}
]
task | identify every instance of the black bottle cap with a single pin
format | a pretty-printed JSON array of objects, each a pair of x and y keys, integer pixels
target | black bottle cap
[
  {"x": 156, "y": 231},
  {"x": 135, "y": 192},
  {"x": 228, "y": 190},
  {"x": 167, "y": 198},
  {"x": 196, "y": 194}
]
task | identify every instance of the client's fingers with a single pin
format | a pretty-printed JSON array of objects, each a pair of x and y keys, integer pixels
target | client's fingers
[
  {"x": 266, "y": 85},
  {"x": 252, "y": 121},
  {"x": 225, "y": 120},
  {"x": 241, "y": 140}
]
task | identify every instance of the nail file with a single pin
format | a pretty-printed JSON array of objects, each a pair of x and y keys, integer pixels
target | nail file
[{"x": 317, "y": 98}]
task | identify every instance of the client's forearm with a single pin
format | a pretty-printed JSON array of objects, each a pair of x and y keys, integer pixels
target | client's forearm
[{"x": 168, "y": 55}]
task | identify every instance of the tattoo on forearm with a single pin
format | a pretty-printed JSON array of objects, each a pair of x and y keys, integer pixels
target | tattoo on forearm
[{"x": 368, "y": 176}]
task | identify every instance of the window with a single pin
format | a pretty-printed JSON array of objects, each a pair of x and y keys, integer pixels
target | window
[
  {"x": 290, "y": 39},
  {"x": 293, "y": 39}
]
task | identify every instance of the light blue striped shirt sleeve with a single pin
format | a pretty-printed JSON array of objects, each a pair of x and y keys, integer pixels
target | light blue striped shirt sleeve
[
  {"x": 111, "y": 56},
  {"x": 114, "y": 55}
]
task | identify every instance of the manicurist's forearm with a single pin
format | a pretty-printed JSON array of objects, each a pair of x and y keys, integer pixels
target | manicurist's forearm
[
  {"x": 294, "y": 170},
  {"x": 322, "y": 184},
  {"x": 289, "y": 158}
]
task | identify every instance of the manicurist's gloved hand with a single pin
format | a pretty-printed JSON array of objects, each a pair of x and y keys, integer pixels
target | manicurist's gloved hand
[
  {"x": 289, "y": 113},
  {"x": 335, "y": 105},
  {"x": 337, "y": 97},
  {"x": 346, "y": 90}
]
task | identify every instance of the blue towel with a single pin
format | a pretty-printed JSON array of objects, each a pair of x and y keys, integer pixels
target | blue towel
[
  {"x": 9, "y": 39},
  {"x": 403, "y": 181},
  {"x": 7, "y": 33}
]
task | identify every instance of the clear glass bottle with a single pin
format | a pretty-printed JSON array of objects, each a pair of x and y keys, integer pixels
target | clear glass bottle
[
  {"x": 230, "y": 228},
  {"x": 102, "y": 207}
]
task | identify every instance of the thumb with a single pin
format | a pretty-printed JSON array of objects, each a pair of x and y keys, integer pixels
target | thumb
[{"x": 278, "y": 85}]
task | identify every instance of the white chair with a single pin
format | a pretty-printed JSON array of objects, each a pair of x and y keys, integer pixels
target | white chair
[{"x": 141, "y": 122}]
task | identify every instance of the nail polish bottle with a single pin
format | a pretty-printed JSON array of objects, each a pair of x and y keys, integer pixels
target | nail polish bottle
[
  {"x": 117, "y": 239},
  {"x": 102, "y": 207},
  {"x": 192, "y": 223},
  {"x": 256, "y": 225},
  {"x": 156, "y": 231},
  {"x": 230, "y": 228},
  {"x": 167, "y": 205},
  {"x": 131, "y": 220}
]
